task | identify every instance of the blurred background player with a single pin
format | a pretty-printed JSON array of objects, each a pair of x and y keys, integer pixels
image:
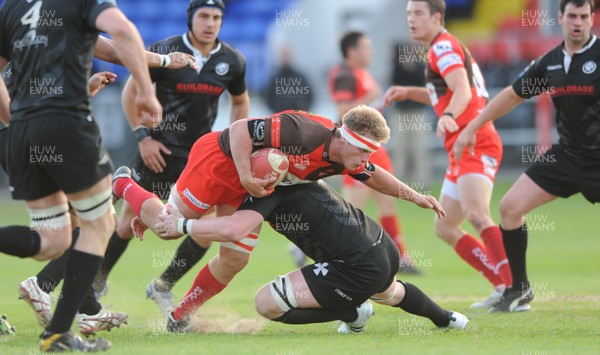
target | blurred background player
[
  {"x": 190, "y": 102},
  {"x": 456, "y": 90},
  {"x": 350, "y": 85},
  {"x": 288, "y": 88},
  {"x": 572, "y": 166},
  {"x": 58, "y": 116}
]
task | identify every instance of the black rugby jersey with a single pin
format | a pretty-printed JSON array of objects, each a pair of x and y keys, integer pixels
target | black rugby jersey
[
  {"x": 190, "y": 99},
  {"x": 321, "y": 223},
  {"x": 50, "y": 44},
  {"x": 574, "y": 85}
]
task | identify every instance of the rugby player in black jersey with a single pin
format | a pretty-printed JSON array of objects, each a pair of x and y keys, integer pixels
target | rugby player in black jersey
[
  {"x": 569, "y": 73},
  {"x": 55, "y": 154},
  {"x": 355, "y": 259},
  {"x": 190, "y": 102}
]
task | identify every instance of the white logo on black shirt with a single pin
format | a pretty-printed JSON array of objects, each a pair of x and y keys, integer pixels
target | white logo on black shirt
[
  {"x": 554, "y": 67},
  {"x": 321, "y": 268},
  {"x": 589, "y": 67},
  {"x": 222, "y": 68}
]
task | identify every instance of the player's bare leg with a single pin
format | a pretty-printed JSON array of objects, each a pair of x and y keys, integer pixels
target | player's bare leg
[
  {"x": 475, "y": 193},
  {"x": 523, "y": 197},
  {"x": 466, "y": 246}
]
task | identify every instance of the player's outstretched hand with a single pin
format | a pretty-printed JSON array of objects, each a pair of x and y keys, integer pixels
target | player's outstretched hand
[
  {"x": 138, "y": 227},
  {"x": 182, "y": 60},
  {"x": 99, "y": 81},
  {"x": 150, "y": 151},
  {"x": 395, "y": 93},
  {"x": 465, "y": 139},
  {"x": 428, "y": 201},
  {"x": 167, "y": 227},
  {"x": 149, "y": 109},
  {"x": 446, "y": 124},
  {"x": 259, "y": 187}
]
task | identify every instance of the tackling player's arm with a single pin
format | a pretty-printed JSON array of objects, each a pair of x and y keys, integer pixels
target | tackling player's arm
[
  {"x": 240, "y": 106},
  {"x": 386, "y": 183},
  {"x": 219, "y": 229},
  {"x": 241, "y": 149},
  {"x": 105, "y": 51},
  {"x": 501, "y": 105},
  {"x": 402, "y": 93},
  {"x": 130, "y": 50},
  {"x": 4, "y": 97}
]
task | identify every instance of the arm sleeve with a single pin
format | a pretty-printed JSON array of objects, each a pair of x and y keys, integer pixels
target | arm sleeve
[
  {"x": 4, "y": 41},
  {"x": 446, "y": 56},
  {"x": 95, "y": 8},
  {"x": 530, "y": 82},
  {"x": 237, "y": 86},
  {"x": 363, "y": 173}
]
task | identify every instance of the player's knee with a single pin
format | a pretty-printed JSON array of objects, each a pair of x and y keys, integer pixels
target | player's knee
[
  {"x": 53, "y": 245},
  {"x": 478, "y": 219},
  {"x": 234, "y": 261},
  {"x": 508, "y": 210},
  {"x": 96, "y": 212},
  {"x": 265, "y": 304}
]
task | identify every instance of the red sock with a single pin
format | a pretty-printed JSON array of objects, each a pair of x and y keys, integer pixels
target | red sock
[
  {"x": 205, "y": 286},
  {"x": 492, "y": 238},
  {"x": 392, "y": 227},
  {"x": 133, "y": 193},
  {"x": 474, "y": 253}
]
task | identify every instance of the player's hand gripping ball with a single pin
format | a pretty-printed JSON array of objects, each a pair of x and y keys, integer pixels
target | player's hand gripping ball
[{"x": 269, "y": 162}]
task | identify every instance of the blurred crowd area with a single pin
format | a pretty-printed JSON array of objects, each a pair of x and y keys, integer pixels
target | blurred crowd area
[{"x": 503, "y": 36}]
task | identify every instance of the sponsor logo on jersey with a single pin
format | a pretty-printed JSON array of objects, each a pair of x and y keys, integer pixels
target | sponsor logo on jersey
[
  {"x": 442, "y": 47},
  {"x": 200, "y": 88},
  {"x": 447, "y": 61},
  {"x": 589, "y": 67},
  {"x": 490, "y": 165},
  {"x": 188, "y": 194},
  {"x": 222, "y": 68},
  {"x": 554, "y": 67}
]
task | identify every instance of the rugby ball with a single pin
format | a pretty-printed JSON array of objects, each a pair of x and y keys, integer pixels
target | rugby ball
[{"x": 269, "y": 162}]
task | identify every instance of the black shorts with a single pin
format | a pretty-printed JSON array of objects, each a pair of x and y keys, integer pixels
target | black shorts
[
  {"x": 158, "y": 183},
  {"x": 338, "y": 284},
  {"x": 3, "y": 149},
  {"x": 55, "y": 152},
  {"x": 562, "y": 173}
]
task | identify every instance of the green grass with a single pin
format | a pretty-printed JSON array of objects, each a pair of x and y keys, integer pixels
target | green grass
[{"x": 562, "y": 260}]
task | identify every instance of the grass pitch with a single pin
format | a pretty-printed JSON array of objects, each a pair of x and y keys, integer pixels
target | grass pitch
[{"x": 562, "y": 259}]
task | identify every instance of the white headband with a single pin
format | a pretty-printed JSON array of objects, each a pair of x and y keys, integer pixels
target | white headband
[{"x": 358, "y": 140}]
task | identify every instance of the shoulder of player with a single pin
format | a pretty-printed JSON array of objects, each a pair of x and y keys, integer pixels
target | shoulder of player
[
  {"x": 444, "y": 44},
  {"x": 231, "y": 51}
]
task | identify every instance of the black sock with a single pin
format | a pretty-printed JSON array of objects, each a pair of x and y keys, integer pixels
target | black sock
[
  {"x": 80, "y": 272},
  {"x": 515, "y": 244},
  {"x": 317, "y": 315},
  {"x": 19, "y": 241},
  {"x": 186, "y": 256},
  {"x": 54, "y": 271},
  {"x": 418, "y": 303},
  {"x": 90, "y": 304},
  {"x": 116, "y": 247}
]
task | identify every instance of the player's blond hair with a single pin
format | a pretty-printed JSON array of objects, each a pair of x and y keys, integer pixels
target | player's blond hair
[{"x": 366, "y": 120}]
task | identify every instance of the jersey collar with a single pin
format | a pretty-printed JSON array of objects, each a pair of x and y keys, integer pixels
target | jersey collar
[
  {"x": 200, "y": 59},
  {"x": 567, "y": 59}
]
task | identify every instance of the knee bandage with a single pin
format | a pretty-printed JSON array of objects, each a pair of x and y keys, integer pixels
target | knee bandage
[
  {"x": 56, "y": 217},
  {"x": 283, "y": 294},
  {"x": 244, "y": 245},
  {"x": 93, "y": 207}
]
